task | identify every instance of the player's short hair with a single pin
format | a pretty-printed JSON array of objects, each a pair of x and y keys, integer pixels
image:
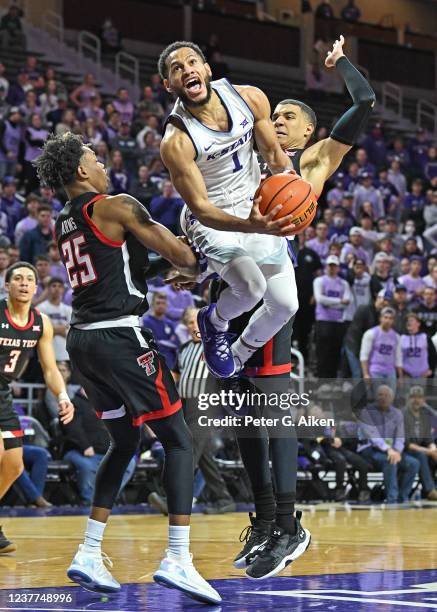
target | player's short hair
[
  {"x": 20, "y": 264},
  {"x": 307, "y": 110},
  {"x": 179, "y": 44},
  {"x": 60, "y": 158}
]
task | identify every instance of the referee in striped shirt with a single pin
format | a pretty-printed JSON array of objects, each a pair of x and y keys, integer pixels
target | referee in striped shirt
[{"x": 192, "y": 375}]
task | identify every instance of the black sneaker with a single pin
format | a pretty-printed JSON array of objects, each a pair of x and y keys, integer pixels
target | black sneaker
[
  {"x": 281, "y": 549},
  {"x": 255, "y": 535},
  {"x": 5, "y": 545}
]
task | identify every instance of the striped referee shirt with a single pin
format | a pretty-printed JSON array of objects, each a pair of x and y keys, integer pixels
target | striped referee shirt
[{"x": 193, "y": 370}]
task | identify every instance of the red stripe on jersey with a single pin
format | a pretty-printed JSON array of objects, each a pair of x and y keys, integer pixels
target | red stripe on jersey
[
  {"x": 24, "y": 327},
  {"x": 271, "y": 370},
  {"x": 93, "y": 226},
  {"x": 8, "y": 434},
  {"x": 168, "y": 408}
]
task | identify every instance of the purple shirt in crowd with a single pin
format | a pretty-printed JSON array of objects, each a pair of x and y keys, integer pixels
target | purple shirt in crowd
[
  {"x": 415, "y": 354},
  {"x": 382, "y": 429},
  {"x": 321, "y": 248},
  {"x": 412, "y": 284},
  {"x": 177, "y": 301}
]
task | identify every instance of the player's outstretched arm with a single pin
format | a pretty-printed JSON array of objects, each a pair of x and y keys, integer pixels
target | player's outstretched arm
[
  {"x": 129, "y": 214},
  {"x": 321, "y": 160},
  {"x": 265, "y": 135},
  {"x": 52, "y": 375},
  {"x": 178, "y": 153}
]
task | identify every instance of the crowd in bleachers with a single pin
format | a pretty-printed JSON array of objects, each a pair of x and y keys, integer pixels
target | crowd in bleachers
[{"x": 375, "y": 240}]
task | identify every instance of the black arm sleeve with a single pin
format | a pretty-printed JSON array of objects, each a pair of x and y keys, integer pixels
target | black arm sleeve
[{"x": 349, "y": 126}]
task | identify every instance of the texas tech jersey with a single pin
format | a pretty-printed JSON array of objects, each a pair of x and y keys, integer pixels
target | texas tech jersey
[
  {"x": 293, "y": 154},
  {"x": 107, "y": 277},
  {"x": 17, "y": 343}
]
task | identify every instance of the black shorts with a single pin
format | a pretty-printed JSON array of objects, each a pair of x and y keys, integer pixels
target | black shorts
[
  {"x": 10, "y": 427},
  {"x": 122, "y": 371}
]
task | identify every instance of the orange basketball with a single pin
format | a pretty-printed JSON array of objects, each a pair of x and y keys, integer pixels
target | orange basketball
[{"x": 294, "y": 193}]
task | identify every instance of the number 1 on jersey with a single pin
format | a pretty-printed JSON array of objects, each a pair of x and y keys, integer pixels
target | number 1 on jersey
[{"x": 237, "y": 164}]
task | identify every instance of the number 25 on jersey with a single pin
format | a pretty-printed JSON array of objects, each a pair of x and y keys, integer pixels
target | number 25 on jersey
[{"x": 79, "y": 265}]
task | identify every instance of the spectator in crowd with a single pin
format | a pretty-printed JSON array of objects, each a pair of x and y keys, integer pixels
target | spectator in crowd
[
  {"x": 400, "y": 152},
  {"x": 11, "y": 29},
  {"x": 365, "y": 317},
  {"x": 410, "y": 231},
  {"x": 102, "y": 153},
  {"x": 93, "y": 111},
  {"x": 4, "y": 105},
  {"x": 309, "y": 265},
  {"x": 143, "y": 188},
  {"x": 4, "y": 83},
  {"x": 149, "y": 103},
  {"x": 166, "y": 208},
  {"x": 359, "y": 281},
  {"x": 49, "y": 198},
  {"x": 430, "y": 169},
  {"x": 420, "y": 439},
  {"x": 127, "y": 146},
  {"x": 338, "y": 230},
  {"x": 42, "y": 265},
  {"x": 324, "y": 10},
  {"x": 382, "y": 434},
  {"x": 10, "y": 139},
  {"x": 418, "y": 352},
  {"x": 86, "y": 441},
  {"x": 192, "y": 377},
  {"x": 118, "y": 176},
  {"x": 123, "y": 105},
  {"x": 30, "y": 105},
  {"x": 375, "y": 145},
  {"x": 59, "y": 314},
  {"x": 68, "y": 122},
  {"x": 33, "y": 479},
  {"x": 91, "y": 133},
  {"x": 34, "y": 138},
  {"x": 350, "y": 12},
  {"x": 414, "y": 204},
  {"x": 110, "y": 37},
  {"x": 335, "y": 195},
  {"x": 355, "y": 247},
  {"x": 177, "y": 300},
  {"x": 430, "y": 216},
  {"x": 4, "y": 265},
  {"x": 35, "y": 242},
  {"x": 364, "y": 166},
  {"x": 401, "y": 308},
  {"x": 160, "y": 94},
  {"x": 366, "y": 192},
  {"x": 49, "y": 99},
  {"x": 418, "y": 150},
  {"x": 57, "y": 268},
  {"x": 82, "y": 94},
  {"x": 320, "y": 244},
  {"x": 430, "y": 279},
  {"x": 397, "y": 178},
  {"x": 163, "y": 328},
  {"x": 380, "y": 352},
  {"x": 381, "y": 277},
  {"x": 332, "y": 295},
  {"x": 389, "y": 193},
  {"x": 427, "y": 312},
  {"x": 150, "y": 150},
  {"x": 14, "y": 254},
  {"x": 18, "y": 89},
  {"x": 11, "y": 204},
  {"x": 413, "y": 281}
]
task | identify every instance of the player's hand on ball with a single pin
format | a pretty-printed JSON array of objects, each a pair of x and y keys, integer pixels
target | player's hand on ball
[
  {"x": 337, "y": 52},
  {"x": 264, "y": 224},
  {"x": 66, "y": 412}
]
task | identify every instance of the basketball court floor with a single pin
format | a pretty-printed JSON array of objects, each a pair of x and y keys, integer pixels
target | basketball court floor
[{"x": 361, "y": 558}]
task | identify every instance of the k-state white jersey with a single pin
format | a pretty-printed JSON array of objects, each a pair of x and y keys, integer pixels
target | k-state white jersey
[{"x": 226, "y": 160}]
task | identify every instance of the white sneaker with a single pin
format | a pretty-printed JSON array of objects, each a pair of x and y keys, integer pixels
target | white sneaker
[
  {"x": 88, "y": 570},
  {"x": 182, "y": 575}
]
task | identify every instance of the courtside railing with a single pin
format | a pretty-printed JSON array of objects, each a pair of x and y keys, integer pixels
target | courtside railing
[
  {"x": 427, "y": 116},
  {"x": 126, "y": 65},
  {"x": 89, "y": 46},
  {"x": 392, "y": 98}
]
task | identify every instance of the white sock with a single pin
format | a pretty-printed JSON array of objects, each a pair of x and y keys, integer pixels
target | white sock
[
  {"x": 94, "y": 535},
  {"x": 242, "y": 351},
  {"x": 219, "y": 323},
  {"x": 179, "y": 541}
]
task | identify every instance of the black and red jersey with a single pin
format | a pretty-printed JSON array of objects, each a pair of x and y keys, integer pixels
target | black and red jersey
[
  {"x": 17, "y": 343},
  {"x": 293, "y": 154},
  {"x": 107, "y": 277}
]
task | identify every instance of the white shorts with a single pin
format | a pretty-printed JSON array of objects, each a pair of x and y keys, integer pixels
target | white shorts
[{"x": 226, "y": 246}]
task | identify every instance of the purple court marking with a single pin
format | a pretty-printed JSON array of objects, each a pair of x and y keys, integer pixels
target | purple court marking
[{"x": 398, "y": 590}]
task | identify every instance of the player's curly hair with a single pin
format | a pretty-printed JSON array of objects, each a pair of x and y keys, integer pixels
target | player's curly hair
[
  {"x": 179, "y": 44},
  {"x": 59, "y": 160}
]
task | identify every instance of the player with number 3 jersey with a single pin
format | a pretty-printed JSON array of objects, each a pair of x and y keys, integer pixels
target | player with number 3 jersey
[{"x": 22, "y": 330}]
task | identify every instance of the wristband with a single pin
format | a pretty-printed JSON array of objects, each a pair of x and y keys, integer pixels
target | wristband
[{"x": 63, "y": 397}]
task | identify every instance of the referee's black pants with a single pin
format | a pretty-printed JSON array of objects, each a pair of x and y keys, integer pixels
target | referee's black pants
[
  {"x": 329, "y": 341},
  {"x": 203, "y": 455}
]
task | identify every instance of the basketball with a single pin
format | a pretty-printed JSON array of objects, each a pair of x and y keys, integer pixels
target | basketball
[{"x": 294, "y": 193}]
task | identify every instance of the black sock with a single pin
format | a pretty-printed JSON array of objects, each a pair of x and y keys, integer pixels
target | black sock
[
  {"x": 265, "y": 503},
  {"x": 285, "y": 512}
]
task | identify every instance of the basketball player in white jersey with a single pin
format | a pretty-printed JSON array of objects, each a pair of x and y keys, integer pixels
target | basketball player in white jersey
[{"x": 208, "y": 150}]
